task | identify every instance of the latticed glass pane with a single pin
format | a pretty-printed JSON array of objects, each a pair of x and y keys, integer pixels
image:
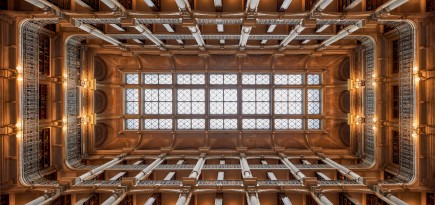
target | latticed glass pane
[
  {"x": 132, "y": 78},
  {"x": 288, "y": 101},
  {"x": 313, "y": 79},
  {"x": 313, "y": 108},
  {"x": 223, "y": 101},
  {"x": 255, "y": 101},
  {"x": 313, "y": 123},
  {"x": 284, "y": 124},
  {"x": 223, "y": 79},
  {"x": 255, "y": 79},
  {"x": 157, "y": 101},
  {"x": 132, "y": 101},
  {"x": 152, "y": 79},
  {"x": 294, "y": 79},
  {"x": 313, "y": 103},
  {"x": 157, "y": 79},
  {"x": 132, "y": 124},
  {"x": 191, "y": 124},
  {"x": 191, "y": 101},
  {"x": 165, "y": 79},
  {"x": 313, "y": 95},
  {"x": 151, "y": 124},
  {"x": 191, "y": 79},
  {"x": 255, "y": 123}
]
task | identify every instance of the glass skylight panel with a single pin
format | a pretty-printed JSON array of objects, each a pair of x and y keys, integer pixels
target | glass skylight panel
[
  {"x": 223, "y": 124},
  {"x": 255, "y": 79},
  {"x": 157, "y": 101},
  {"x": 132, "y": 124},
  {"x": 313, "y": 124},
  {"x": 191, "y": 79},
  {"x": 291, "y": 124},
  {"x": 313, "y": 101},
  {"x": 223, "y": 101},
  {"x": 191, "y": 124},
  {"x": 253, "y": 124},
  {"x": 313, "y": 79},
  {"x": 223, "y": 79},
  {"x": 255, "y": 101},
  {"x": 288, "y": 101},
  {"x": 132, "y": 101},
  {"x": 191, "y": 101},
  {"x": 154, "y": 124},
  {"x": 157, "y": 79},
  {"x": 291, "y": 79},
  {"x": 132, "y": 78}
]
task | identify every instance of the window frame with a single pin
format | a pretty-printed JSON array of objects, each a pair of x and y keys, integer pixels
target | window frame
[{"x": 239, "y": 87}]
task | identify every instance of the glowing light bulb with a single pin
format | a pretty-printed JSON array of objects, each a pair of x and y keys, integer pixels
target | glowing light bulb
[{"x": 417, "y": 79}]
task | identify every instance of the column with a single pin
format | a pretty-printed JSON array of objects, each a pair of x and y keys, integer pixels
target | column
[
  {"x": 396, "y": 200},
  {"x": 38, "y": 200},
  {"x": 219, "y": 200},
  {"x": 182, "y": 199},
  {"x": 324, "y": 200},
  {"x": 342, "y": 169},
  {"x": 98, "y": 169},
  {"x": 246, "y": 171},
  {"x": 110, "y": 200},
  {"x": 145, "y": 172},
  {"x": 152, "y": 199},
  {"x": 285, "y": 200},
  {"x": 252, "y": 197},
  {"x": 197, "y": 169},
  {"x": 293, "y": 169}
]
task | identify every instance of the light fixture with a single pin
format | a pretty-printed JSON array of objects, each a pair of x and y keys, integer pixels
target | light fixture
[
  {"x": 38, "y": 4},
  {"x": 321, "y": 5},
  {"x": 147, "y": 33},
  {"x": 244, "y": 36},
  {"x": 150, "y": 3},
  {"x": 99, "y": 34},
  {"x": 220, "y": 28},
  {"x": 253, "y": 4},
  {"x": 322, "y": 28},
  {"x": 389, "y": 6},
  {"x": 169, "y": 28},
  {"x": 343, "y": 33},
  {"x": 181, "y": 4},
  {"x": 110, "y": 4},
  {"x": 285, "y": 5},
  {"x": 218, "y": 3},
  {"x": 295, "y": 32},
  {"x": 197, "y": 35},
  {"x": 270, "y": 28}
]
